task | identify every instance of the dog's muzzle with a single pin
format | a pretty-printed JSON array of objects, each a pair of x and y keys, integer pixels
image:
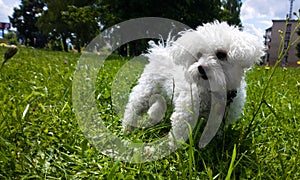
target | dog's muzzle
[{"x": 202, "y": 73}]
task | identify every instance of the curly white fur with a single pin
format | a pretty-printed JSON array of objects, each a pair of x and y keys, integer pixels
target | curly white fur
[{"x": 180, "y": 72}]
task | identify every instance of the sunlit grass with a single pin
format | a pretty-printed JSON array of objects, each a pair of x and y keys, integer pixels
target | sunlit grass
[{"x": 40, "y": 138}]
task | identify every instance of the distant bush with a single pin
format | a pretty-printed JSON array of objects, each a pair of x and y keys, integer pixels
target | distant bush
[
  {"x": 10, "y": 38},
  {"x": 55, "y": 45}
]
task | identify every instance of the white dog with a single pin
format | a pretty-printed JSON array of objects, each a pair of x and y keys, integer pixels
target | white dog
[{"x": 187, "y": 71}]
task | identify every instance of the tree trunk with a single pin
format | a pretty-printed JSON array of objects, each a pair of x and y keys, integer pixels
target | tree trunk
[
  {"x": 123, "y": 50},
  {"x": 132, "y": 49},
  {"x": 78, "y": 48},
  {"x": 64, "y": 41}
]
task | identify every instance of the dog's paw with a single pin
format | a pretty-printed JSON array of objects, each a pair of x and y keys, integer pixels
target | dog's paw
[
  {"x": 127, "y": 129},
  {"x": 158, "y": 108}
]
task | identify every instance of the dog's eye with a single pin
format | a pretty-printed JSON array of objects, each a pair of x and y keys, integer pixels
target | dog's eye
[
  {"x": 221, "y": 55},
  {"x": 199, "y": 55}
]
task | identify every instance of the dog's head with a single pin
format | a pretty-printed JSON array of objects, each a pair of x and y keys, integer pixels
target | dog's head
[{"x": 217, "y": 49}]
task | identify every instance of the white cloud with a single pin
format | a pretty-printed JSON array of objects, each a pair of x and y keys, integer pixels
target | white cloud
[
  {"x": 251, "y": 28},
  {"x": 266, "y": 23},
  {"x": 257, "y": 15},
  {"x": 249, "y": 12},
  {"x": 7, "y": 8},
  {"x": 266, "y": 8},
  {"x": 4, "y": 11}
]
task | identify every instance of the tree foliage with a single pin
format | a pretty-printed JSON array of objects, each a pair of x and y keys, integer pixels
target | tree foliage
[
  {"x": 69, "y": 19},
  {"x": 80, "y": 21},
  {"x": 24, "y": 19},
  {"x": 51, "y": 23},
  {"x": 231, "y": 12},
  {"x": 83, "y": 20},
  {"x": 190, "y": 12}
]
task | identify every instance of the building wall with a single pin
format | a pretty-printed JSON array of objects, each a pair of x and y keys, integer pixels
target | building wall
[{"x": 275, "y": 42}]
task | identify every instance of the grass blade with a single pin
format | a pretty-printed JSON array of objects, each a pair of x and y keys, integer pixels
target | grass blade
[
  {"x": 231, "y": 167},
  {"x": 25, "y": 111}
]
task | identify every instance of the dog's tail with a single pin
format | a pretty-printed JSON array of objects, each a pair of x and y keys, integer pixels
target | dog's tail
[{"x": 160, "y": 50}]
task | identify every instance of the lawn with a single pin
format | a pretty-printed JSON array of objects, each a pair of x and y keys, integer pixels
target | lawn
[{"x": 40, "y": 137}]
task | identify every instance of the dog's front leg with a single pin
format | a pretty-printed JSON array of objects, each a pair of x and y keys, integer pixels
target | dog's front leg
[
  {"x": 140, "y": 100},
  {"x": 136, "y": 106},
  {"x": 186, "y": 113}
]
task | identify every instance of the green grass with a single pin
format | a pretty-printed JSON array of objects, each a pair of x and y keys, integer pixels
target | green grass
[{"x": 40, "y": 137}]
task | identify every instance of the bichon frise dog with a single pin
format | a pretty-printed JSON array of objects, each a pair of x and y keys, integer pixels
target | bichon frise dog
[{"x": 212, "y": 58}]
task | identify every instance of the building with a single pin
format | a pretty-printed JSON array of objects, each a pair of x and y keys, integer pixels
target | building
[{"x": 273, "y": 40}]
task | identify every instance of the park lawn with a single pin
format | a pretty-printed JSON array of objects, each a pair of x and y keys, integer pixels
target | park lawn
[{"x": 40, "y": 137}]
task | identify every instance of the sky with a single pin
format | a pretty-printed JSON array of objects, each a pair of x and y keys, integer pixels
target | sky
[
  {"x": 256, "y": 15},
  {"x": 7, "y": 8}
]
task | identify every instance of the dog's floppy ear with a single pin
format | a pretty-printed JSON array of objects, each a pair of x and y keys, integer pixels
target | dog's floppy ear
[
  {"x": 177, "y": 53},
  {"x": 182, "y": 56},
  {"x": 184, "y": 49}
]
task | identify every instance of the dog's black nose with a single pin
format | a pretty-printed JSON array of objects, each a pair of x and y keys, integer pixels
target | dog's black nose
[{"x": 202, "y": 72}]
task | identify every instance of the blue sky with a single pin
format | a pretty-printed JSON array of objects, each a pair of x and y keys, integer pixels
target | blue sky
[
  {"x": 256, "y": 15},
  {"x": 6, "y": 9}
]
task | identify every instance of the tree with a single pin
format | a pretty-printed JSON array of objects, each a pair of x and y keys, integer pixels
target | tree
[
  {"x": 11, "y": 38},
  {"x": 80, "y": 21},
  {"x": 84, "y": 22},
  {"x": 68, "y": 19},
  {"x": 190, "y": 12},
  {"x": 24, "y": 19},
  {"x": 298, "y": 46},
  {"x": 51, "y": 22},
  {"x": 231, "y": 12}
]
